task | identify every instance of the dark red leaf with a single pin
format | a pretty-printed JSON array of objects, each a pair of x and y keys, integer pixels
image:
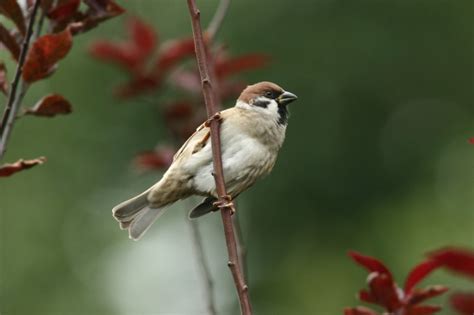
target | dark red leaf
[
  {"x": 359, "y": 310},
  {"x": 138, "y": 85},
  {"x": 50, "y": 106},
  {"x": 418, "y": 296},
  {"x": 471, "y": 140},
  {"x": 64, "y": 11},
  {"x": 143, "y": 36},
  {"x": 174, "y": 52},
  {"x": 422, "y": 310},
  {"x": 122, "y": 54},
  {"x": 98, "y": 12},
  {"x": 7, "y": 39},
  {"x": 159, "y": 159},
  {"x": 366, "y": 296},
  {"x": 370, "y": 263},
  {"x": 46, "y": 4},
  {"x": 384, "y": 291},
  {"x": 179, "y": 110},
  {"x": 10, "y": 169},
  {"x": 12, "y": 10},
  {"x": 418, "y": 273},
  {"x": 455, "y": 259},
  {"x": 45, "y": 53},
  {"x": 3, "y": 78},
  {"x": 463, "y": 303},
  {"x": 227, "y": 67},
  {"x": 130, "y": 54}
]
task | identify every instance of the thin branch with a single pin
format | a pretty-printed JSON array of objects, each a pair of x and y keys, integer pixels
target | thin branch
[
  {"x": 13, "y": 103},
  {"x": 218, "y": 18},
  {"x": 241, "y": 248},
  {"x": 204, "y": 266},
  {"x": 212, "y": 30},
  {"x": 211, "y": 107}
]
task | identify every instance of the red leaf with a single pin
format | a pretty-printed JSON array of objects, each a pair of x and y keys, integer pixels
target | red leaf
[
  {"x": 50, "y": 105},
  {"x": 366, "y": 296},
  {"x": 422, "y": 310},
  {"x": 138, "y": 85},
  {"x": 121, "y": 54},
  {"x": 98, "y": 12},
  {"x": 384, "y": 291},
  {"x": 419, "y": 296},
  {"x": 10, "y": 169},
  {"x": 160, "y": 158},
  {"x": 12, "y": 10},
  {"x": 359, "y": 310},
  {"x": 370, "y": 263},
  {"x": 143, "y": 36},
  {"x": 44, "y": 54},
  {"x": 455, "y": 259},
  {"x": 179, "y": 110},
  {"x": 9, "y": 42},
  {"x": 463, "y": 303},
  {"x": 64, "y": 11},
  {"x": 418, "y": 273},
  {"x": 3, "y": 78},
  {"x": 132, "y": 53},
  {"x": 471, "y": 140},
  {"x": 234, "y": 65},
  {"x": 45, "y": 4},
  {"x": 173, "y": 52}
]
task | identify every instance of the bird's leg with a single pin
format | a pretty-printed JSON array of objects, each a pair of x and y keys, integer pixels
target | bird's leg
[
  {"x": 216, "y": 116},
  {"x": 225, "y": 202}
]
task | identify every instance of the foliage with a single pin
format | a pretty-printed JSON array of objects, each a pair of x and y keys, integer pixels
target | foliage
[{"x": 65, "y": 20}]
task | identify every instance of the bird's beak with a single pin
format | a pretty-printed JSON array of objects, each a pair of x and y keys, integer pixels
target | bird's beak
[{"x": 286, "y": 98}]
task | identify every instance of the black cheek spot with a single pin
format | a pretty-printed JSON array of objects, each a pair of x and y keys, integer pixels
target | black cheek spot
[
  {"x": 261, "y": 103},
  {"x": 283, "y": 115}
]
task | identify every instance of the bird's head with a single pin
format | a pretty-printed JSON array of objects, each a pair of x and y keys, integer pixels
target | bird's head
[{"x": 267, "y": 98}]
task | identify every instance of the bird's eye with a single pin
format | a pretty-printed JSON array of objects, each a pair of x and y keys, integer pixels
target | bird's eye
[{"x": 269, "y": 94}]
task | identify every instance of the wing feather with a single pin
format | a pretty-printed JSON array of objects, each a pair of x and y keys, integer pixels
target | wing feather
[{"x": 195, "y": 142}]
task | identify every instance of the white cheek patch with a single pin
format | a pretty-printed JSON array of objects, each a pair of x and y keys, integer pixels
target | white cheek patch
[{"x": 266, "y": 106}]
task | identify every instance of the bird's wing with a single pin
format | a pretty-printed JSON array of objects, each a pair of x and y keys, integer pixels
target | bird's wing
[
  {"x": 198, "y": 140},
  {"x": 195, "y": 142}
]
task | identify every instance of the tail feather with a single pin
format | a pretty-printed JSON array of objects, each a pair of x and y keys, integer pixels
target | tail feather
[
  {"x": 136, "y": 216},
  {"x": 127, "y": 210},
  {"x": 142, "y": 222}
]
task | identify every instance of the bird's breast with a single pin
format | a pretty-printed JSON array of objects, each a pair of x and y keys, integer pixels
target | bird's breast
[{"x": 244, "y": 159}]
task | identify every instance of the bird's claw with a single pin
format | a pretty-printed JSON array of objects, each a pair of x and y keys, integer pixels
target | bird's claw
[
  {"x": 225, "y": 202},
  {"x": 217, "y": 116}
]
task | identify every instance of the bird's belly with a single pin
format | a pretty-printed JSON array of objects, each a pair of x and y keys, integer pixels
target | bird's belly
[{"x": 244, "y": 161}]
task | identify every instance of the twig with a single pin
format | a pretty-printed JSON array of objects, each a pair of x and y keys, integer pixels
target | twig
[
  {"x": 13, "y": 103},
  {"x": 205, "y": 270},
  {"x": 218, "y": 18},
  {"x": 211, "y": 106},
  {"x": 241, "y": 248},
  {"x": 212, "y": 30}
]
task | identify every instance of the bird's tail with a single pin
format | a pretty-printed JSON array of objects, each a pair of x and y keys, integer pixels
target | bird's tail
[{"x": 136, "y": 215}]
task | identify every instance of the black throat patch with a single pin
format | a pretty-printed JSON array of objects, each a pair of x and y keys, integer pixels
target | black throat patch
[{"x": 283, "y": 114}]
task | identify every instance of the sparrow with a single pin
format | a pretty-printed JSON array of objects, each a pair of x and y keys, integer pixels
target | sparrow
[{"x": 252, "y": 133}]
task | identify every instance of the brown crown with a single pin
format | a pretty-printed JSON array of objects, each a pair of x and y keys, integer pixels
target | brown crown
[{"x": 258, "y": 89}]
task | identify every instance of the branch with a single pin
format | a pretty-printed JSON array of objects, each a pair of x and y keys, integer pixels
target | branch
[
  {"x": 218, "y": 18},
  {"x": 241, "y": 248},
  {"x": 13, "y": 103},
  {"x": 211, "y": 107},
  {"x": 206, "y": 272}
]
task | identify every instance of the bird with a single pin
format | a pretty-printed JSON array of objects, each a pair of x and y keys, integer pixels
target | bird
[{"x": 252, "y": 133}]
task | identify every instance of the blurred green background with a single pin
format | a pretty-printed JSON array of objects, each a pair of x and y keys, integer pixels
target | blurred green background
[{"x": 376, "y": 159}]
